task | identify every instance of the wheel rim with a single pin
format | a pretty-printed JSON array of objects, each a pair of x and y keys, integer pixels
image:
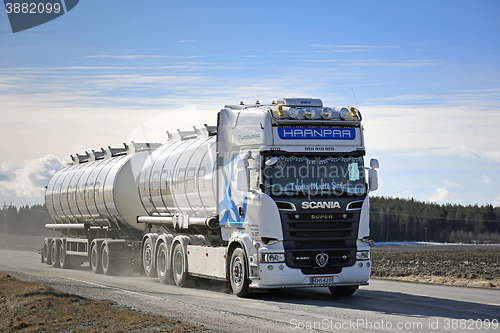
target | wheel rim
[
  {"x": 162, "y": 262},
  {"x": 62, "y": 255},
  {"x": 93, "y": 257},
  {"x": 237, "y": 272},
  {"x": 54, "y": 252},
  {"x": 45, "y": 251},
  {"x": 147, "y": 257},
  {"x": 178, "y": 263},
  {"x": 105, "y": 259}
]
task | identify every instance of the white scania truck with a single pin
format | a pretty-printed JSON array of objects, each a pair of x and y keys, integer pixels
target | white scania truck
[{"x": 274, "y": 196}]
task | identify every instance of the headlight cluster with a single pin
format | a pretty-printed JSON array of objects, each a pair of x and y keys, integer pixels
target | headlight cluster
[
  {"x": 310, "y": 113},
  {"x": 363, "y": 255},
  {"x": 272, "y": 257}
]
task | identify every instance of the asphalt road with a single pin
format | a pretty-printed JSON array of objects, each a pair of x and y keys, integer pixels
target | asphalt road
[{"x": 384, "y": 306}]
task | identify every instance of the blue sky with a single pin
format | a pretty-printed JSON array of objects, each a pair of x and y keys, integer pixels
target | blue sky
[{"x": 425, "y": 74}]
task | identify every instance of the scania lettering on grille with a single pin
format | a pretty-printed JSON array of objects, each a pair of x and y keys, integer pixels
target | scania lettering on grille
[
  {"x": 320, "y": 204},
  {"x": 317, "y": 133}
]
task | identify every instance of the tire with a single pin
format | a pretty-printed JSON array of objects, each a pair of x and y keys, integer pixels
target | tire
[
  {"x": 147, "y": 258},
  {"x": 67, "y": 261},
  {"x": 108, "y": 264},
  {"x": 238, "y": 273},
  {"x": 343, "y": 291},
  {"x": 63, "y": 258},
  {"x": 95, "y": 260},
  {"x": 46, "y": 256},
  {"x": 163, "y": 268},
  {"x": 54, "y": 254},
  {"x": 179, "y": 266}
]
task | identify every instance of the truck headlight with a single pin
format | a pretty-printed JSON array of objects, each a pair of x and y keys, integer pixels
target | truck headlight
[
  {"x": 293, "y": 113},
  {"x": 344, "y": 113},
  {"x": 327, "y": 113},
  {"x": 363, "y": 255},
  {"x": 272, "y": 257},
  {"x": 309, "y": 113}
]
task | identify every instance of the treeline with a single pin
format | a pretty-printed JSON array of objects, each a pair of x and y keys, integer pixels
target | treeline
[
  {"x": 392, "y": 219},
  {"x": 395, "y": 219},
  {"x": 25, "y": 220}
]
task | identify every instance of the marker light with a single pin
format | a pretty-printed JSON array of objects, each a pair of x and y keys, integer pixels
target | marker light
[
  {"x": 326, "y": 113},
  {"x": 344, "y": 113},
  {"x": 309, "y": 113},
  {"x": 293, "y": 113}
]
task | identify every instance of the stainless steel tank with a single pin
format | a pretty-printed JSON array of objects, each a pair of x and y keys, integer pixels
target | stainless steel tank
[
  {"x": 178, "y": 179},
  {"x": 102, "y": 192}
]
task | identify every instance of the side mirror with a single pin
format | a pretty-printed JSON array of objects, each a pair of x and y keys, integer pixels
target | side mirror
[
  {"x": 242, "y": 163},
  {"x": 243, "y": 180},
  {"x": 243, "y": 175},
  {"x": 372, "y": 179},
  {"x": 374, "y": 163}
]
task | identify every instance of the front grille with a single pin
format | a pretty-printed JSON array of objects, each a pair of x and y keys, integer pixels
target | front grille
[{"x": 308, "y": 235}]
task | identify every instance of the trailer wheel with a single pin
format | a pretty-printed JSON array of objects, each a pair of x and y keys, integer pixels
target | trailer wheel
[
  {"x": 179, "y": 266},
  {"x": 47, "y": 258},
  {"x": 63, "y": 259},
  {"x": 238, "y": 273},
  {"x": 54, "y": 254},
  {"x": 95, "y": 260},
  {"x": 147, "y": 258},
  {"x": 163, "y": 269},
  {"x": 108, "y": 264},
  {"x": 343, "y": 291},
  {"x": 66, "y": 261}
]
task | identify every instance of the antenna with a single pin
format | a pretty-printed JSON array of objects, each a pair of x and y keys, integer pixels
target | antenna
[
  {"x": 355, "y": 98},
  {"x": 251, "y": 92}
]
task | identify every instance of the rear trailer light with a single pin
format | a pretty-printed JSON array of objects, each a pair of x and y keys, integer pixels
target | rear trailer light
[
  {"x": 272, "y": 257},
  {"x": 363, "y": 255}
]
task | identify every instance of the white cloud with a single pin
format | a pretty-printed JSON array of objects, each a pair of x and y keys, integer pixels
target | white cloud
[
  {"x": 29, "y": 181},
  {"x": 441, "y": 195},
  {"x": 450, "y": 184},
  {"x": 486, "y": 179}
]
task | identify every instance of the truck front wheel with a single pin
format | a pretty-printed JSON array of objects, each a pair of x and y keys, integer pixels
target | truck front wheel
[{"x": 238, "y": 273}]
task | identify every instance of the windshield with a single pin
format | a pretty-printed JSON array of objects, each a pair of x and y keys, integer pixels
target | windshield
[{"x": 307, "y": 176}]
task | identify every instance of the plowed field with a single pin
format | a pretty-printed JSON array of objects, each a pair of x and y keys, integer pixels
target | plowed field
[{"x": 472, "y": 267}]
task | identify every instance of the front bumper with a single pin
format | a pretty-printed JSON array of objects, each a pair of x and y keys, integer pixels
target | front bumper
[{"x": 281, "y": 276}]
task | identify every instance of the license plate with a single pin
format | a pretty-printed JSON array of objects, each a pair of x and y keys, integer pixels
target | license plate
[{"x": 321, "y": 280}]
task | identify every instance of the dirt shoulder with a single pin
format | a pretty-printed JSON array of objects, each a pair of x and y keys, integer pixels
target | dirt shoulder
[{"x": 28, "y": 307}]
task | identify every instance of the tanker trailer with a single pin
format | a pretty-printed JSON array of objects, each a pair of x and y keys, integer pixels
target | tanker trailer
[
  {"x": 274, "y": 196},
  {"x": 94, "y": 202}
]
